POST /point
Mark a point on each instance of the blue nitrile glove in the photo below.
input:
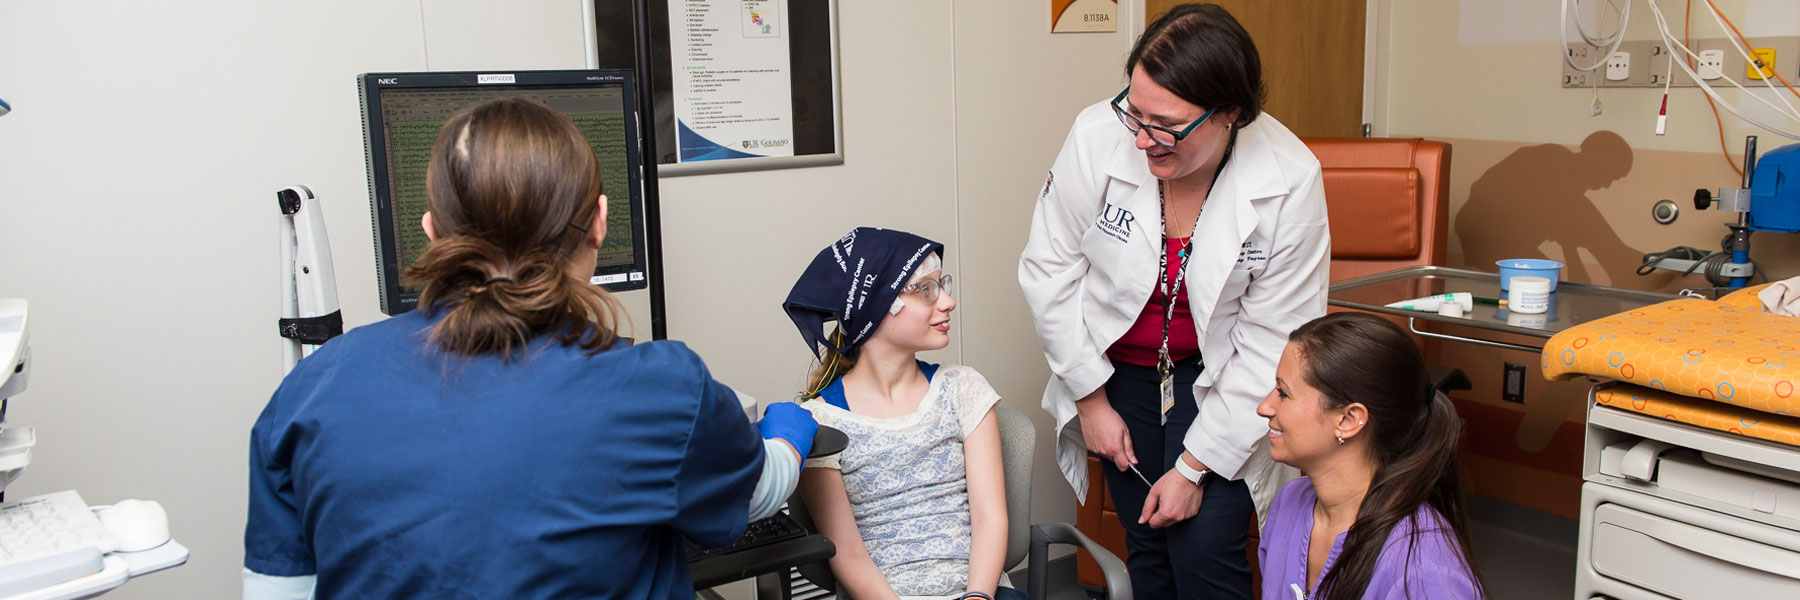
(788, 422)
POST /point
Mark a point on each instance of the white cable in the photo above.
(1749, 59)
(1618, 36)
(1595, 39)
(1669, 39)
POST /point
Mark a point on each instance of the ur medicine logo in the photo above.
(1116, 222)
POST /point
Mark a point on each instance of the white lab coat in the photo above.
(1262, 252)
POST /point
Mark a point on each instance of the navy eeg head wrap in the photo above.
(854, 281)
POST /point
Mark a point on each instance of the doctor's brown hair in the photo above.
(1201, 54)
(513, 188)
(1358, 357)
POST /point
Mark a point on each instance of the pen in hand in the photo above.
(1140, 475)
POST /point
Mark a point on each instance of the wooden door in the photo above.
(1312, 59)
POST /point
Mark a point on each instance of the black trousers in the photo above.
(1202, 557)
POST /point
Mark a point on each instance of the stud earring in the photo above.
(1340, 440)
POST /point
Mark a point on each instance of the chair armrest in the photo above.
(1118, 584)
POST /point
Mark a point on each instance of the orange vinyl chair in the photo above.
(1388, 200)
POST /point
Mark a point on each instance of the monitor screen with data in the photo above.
(402, 113)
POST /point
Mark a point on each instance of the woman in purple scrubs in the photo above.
(1380, 513)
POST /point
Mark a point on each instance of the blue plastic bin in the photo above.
(1528, 267)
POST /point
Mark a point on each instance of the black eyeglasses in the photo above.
(1163, 136)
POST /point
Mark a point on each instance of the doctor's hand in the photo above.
(1172, 500)
(1104, 431)
(788, 422)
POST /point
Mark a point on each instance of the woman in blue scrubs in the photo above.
(502, 441)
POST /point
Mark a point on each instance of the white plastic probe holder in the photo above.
(15, 453)
(15, 347)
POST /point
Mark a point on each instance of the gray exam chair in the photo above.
(1017, 440)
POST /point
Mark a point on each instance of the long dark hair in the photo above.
(1201, 54)
(513, 187)
(1358, 357)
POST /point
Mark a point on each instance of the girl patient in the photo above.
(917, 503)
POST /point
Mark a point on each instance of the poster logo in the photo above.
(748, 144)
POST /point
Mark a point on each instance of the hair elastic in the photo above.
(494, 280)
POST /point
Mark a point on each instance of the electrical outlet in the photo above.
(1513, 388)
(1618, 66)
(1711, 65)
(1766, 56)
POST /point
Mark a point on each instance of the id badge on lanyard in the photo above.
(1165, 370)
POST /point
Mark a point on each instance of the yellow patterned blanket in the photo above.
(1727, 351)
(1711, 415)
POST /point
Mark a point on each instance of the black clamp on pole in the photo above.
(313, 330)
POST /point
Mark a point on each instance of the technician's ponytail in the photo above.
(513, 186)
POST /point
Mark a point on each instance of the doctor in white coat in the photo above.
(1180, 187)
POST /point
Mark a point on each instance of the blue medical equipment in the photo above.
(1769, 201)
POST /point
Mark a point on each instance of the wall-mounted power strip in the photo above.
(1644, 63)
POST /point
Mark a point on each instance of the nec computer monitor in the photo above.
(402, 113)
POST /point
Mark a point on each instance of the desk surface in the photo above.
(1571, 304)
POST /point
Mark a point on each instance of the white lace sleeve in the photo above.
(821, 411)
(973, 399)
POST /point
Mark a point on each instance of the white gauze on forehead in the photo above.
(931, 263)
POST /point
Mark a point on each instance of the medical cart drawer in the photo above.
(1688, 562)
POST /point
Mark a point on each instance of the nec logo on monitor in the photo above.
(388, 81)
(501, 78)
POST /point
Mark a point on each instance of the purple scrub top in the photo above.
(1433, 570)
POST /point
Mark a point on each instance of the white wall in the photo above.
(138, 168)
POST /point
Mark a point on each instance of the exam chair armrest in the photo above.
(1118, 584)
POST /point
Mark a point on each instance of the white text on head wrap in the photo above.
(850, 294)
(906, 269)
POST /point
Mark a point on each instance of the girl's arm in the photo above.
(823, 489)
(987, 504)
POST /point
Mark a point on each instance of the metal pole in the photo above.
(1740, 234)
(646, 102)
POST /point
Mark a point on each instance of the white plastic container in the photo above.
(1528, 295)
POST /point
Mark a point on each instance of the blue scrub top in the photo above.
(393, 470)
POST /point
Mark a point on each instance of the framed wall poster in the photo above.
(736, 84)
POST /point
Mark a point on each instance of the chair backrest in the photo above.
(1388, 200)
(1018, 439)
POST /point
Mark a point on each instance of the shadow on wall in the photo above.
(1538, 197)
(1535, 203)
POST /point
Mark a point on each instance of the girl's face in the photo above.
(920, 325)
(1301, 430)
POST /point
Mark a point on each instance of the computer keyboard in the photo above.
(49, 539)
(777, 528)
